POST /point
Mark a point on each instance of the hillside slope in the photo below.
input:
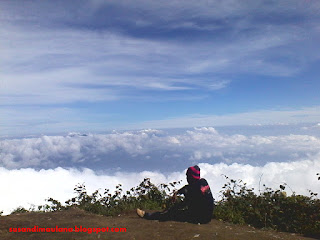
(136, 228)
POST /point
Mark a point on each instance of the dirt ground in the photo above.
(136, 228)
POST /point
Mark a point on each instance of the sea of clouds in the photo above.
(36, 168)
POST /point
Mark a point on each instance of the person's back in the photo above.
(199, 200)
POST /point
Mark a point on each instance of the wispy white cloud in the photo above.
(48, 65)
(59, 120)
(283, 116)
(181, 51)
(60, 70)
(175, 10)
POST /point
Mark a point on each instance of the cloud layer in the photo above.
(25, 187)
(37, 168)
(156, 149)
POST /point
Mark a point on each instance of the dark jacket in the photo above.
(199, 200)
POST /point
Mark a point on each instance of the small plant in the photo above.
(19, 210)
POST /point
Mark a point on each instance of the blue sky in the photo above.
(100, 65)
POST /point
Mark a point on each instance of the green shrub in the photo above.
(146, 195)
(270, 209)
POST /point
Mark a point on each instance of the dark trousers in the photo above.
(176, 214)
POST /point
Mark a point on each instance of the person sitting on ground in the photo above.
(197, 206)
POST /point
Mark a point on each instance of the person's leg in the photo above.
(172, 214)
(161, 216)
(166, 215)
(181, 215)
(175, 213)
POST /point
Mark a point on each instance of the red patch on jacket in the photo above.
(205, 189)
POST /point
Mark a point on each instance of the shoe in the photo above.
(140, 213)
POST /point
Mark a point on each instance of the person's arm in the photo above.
(183, 190)
(180, 191)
